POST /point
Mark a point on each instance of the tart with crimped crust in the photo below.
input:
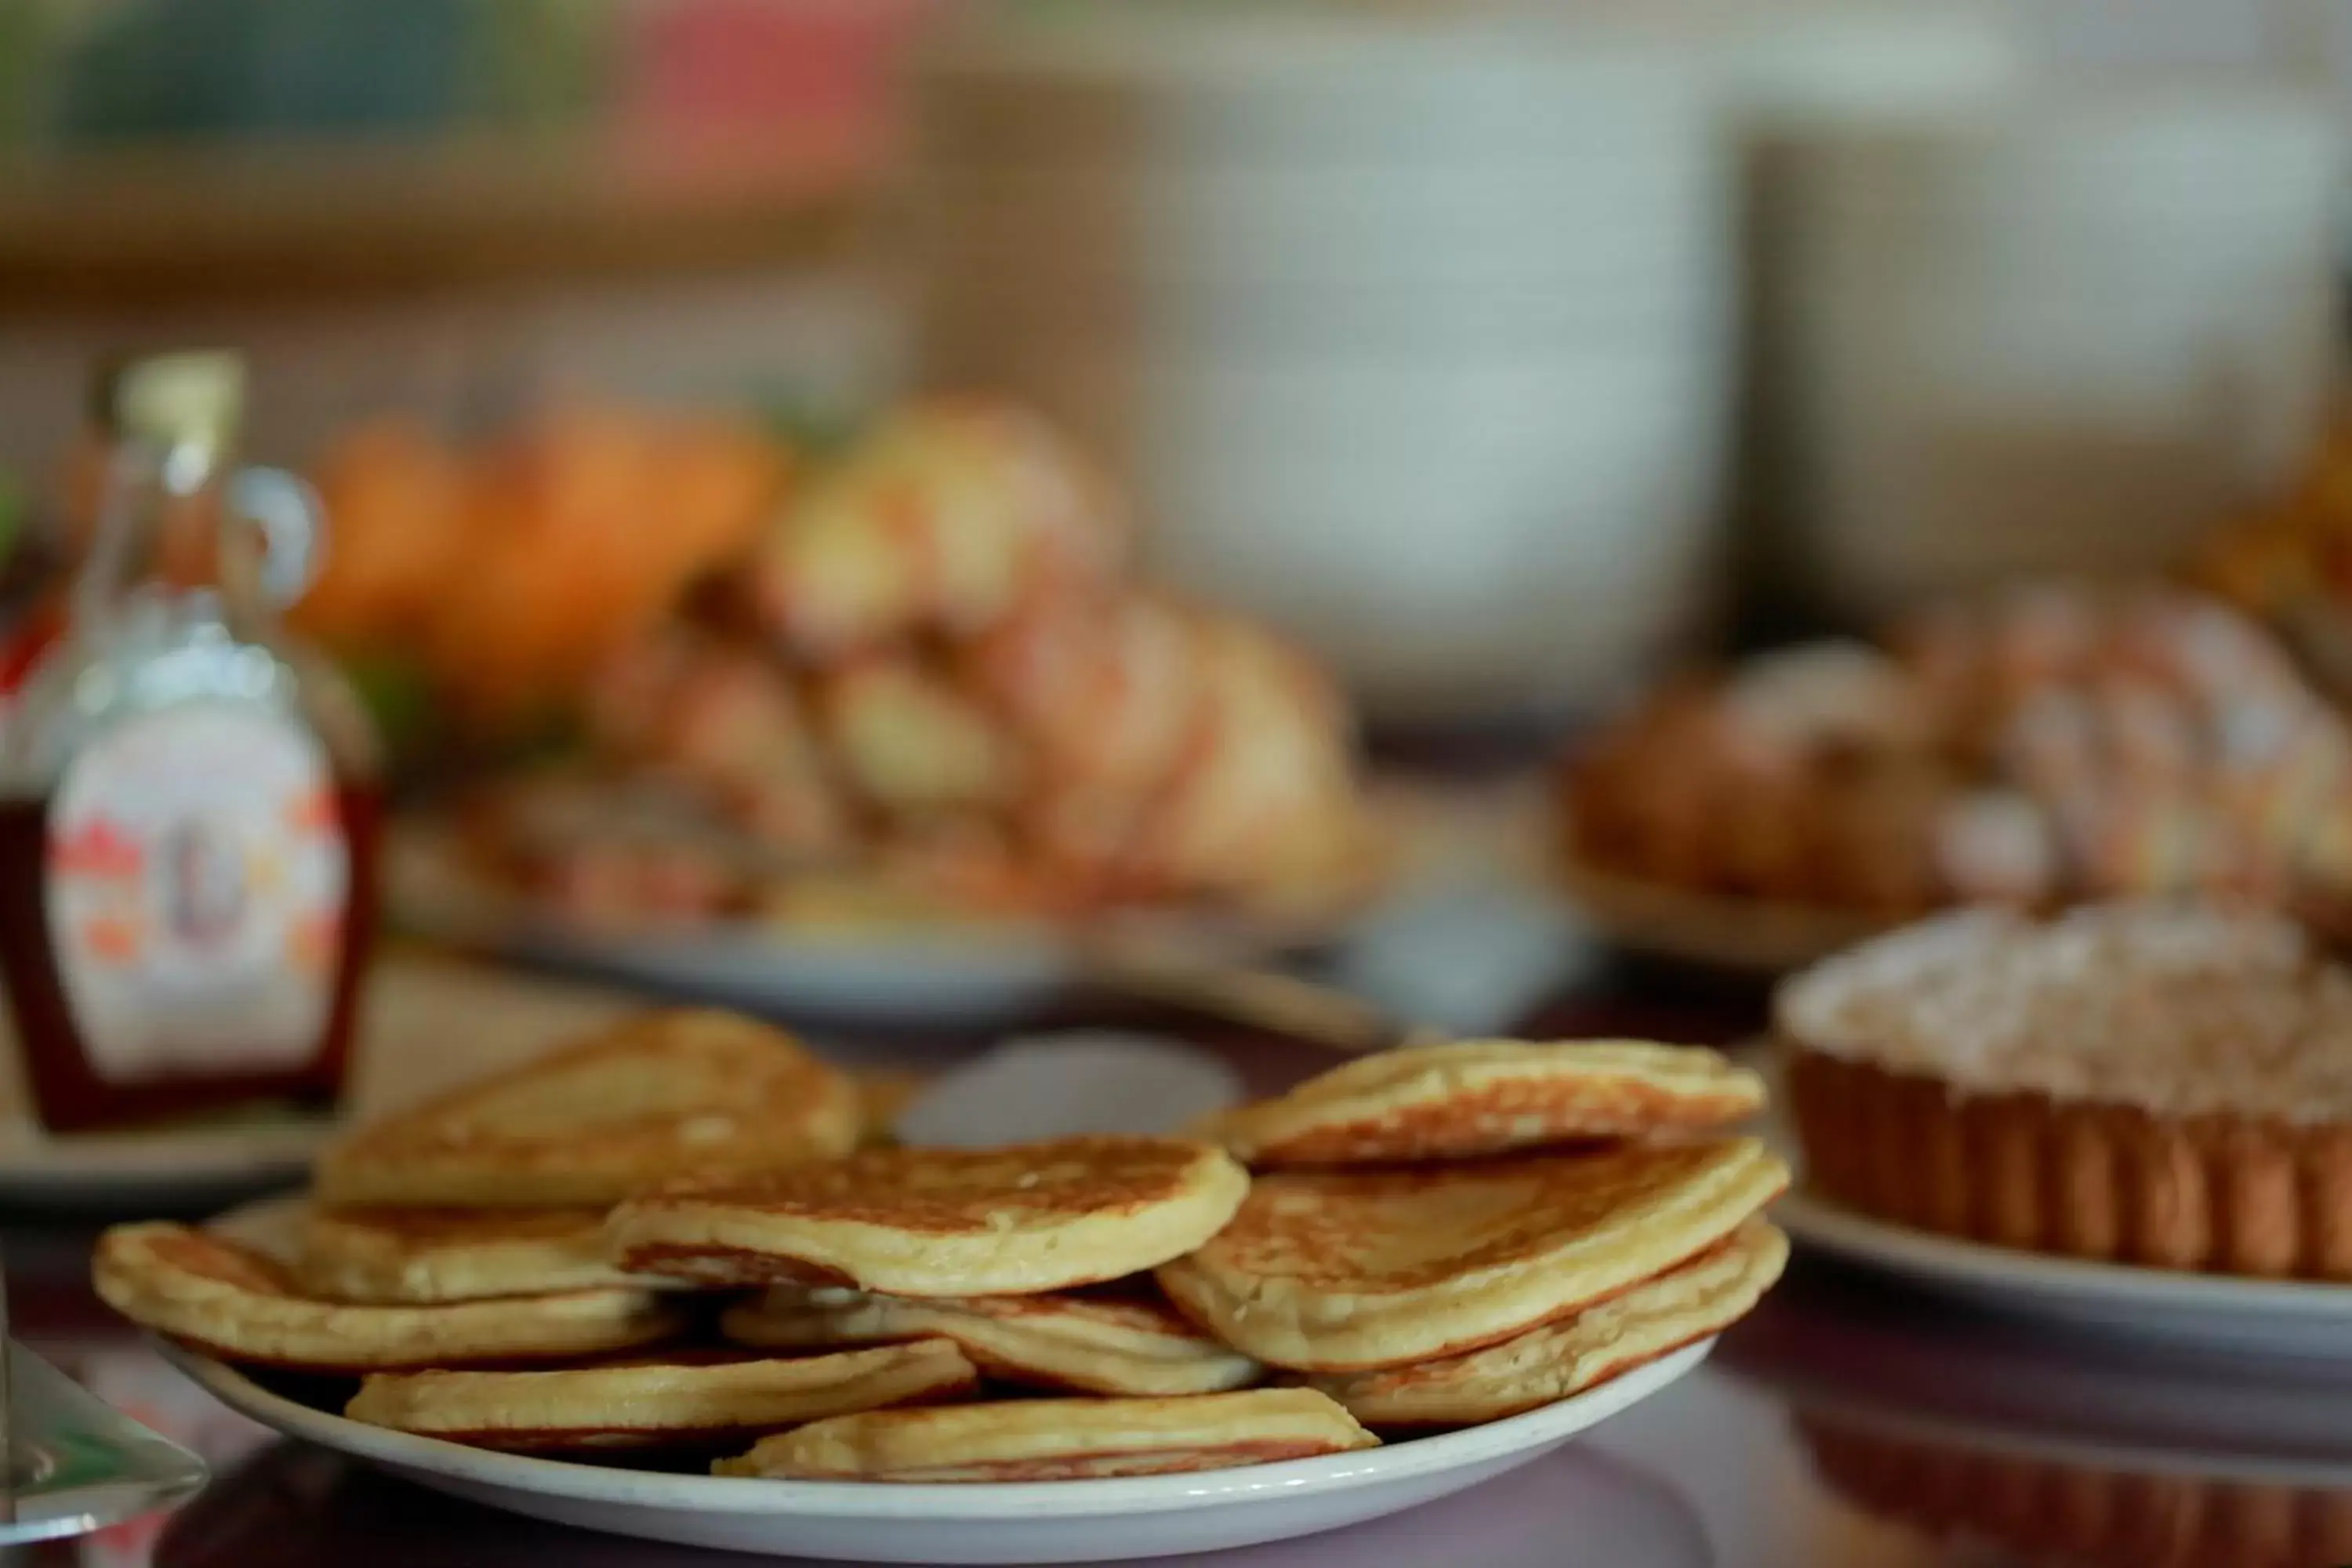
(2160, 1085)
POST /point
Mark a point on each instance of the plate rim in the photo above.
(1759, 937)
(935, 1502)
(1816, 1221)
(433, 889)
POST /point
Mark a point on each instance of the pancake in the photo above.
(237, 1303)
(1018, 1220)
(1702, 1297)
(694, 1400)
(1471, 1098)
(1342, 1270)
(1092, 1344)
(384, 1254)
(662, 1094)
(1059, 1439)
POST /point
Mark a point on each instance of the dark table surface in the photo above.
(1847, 1423)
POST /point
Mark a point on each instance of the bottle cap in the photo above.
(192, 398)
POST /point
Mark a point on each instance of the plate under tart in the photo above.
(2299, 1317)
(1031, 1522)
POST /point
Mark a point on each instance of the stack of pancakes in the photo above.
(667, 1238)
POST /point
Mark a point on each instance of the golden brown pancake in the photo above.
(941, 1222)
(386, 1255)
(1132, 1346)
(1342, 1270)
(1059, 1439)
(692, 1400)
(1468, 1097)
(1690, 1302)
(236, 1303)
(664, 1094)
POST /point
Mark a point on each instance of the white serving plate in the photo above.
(967, 974)
(1034, 1522)
(2294, 1317)
(985, 978)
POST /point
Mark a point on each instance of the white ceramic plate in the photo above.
(2297, 1317)
(970, 974)
(1043, 1521)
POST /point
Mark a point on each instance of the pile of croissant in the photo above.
(934, 681)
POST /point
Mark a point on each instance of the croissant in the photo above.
(729, 725)
(947, 517)
(1178, 749)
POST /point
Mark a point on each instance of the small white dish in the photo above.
(1036, 1522)
(2294, 1317)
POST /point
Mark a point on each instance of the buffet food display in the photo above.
(927, 681)
(2049, 745)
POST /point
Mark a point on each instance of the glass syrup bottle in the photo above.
(189, 812)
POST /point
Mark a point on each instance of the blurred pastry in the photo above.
(1178, 752)
(1342, 1270)
(690, 1399)
(947, 517)
(508, 573)
(911, 745)
(1018, 1220)
(2289, 561)
(2045, 746)
(660, 1095)
(1462, 1099)
(2138, 1083)
(934, 675)
(1563, 1359)
(233, 1301)
(597, 851)
(1128, 1344)
(1060, 1439)
(720, 722)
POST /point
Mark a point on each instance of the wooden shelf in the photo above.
(168, 227)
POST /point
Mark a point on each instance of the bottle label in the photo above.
(197, 874)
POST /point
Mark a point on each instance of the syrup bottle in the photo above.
(188, 806)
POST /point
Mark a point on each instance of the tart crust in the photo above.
(2216, 1193)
